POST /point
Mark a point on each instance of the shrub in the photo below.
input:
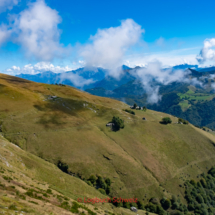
(108, 190)
(12, 207)
(118, 123)
(126, 205)
(108, 181)
(102, 191)
(92, 179)
(45, 195)
(89, 183)
(180, 120)
(203, 182)
(175, 205)
(63, 166)
(140, 205)
(166, 204)
(49, 191)
(199, 199)
(116, 203)
(166, 120)
(129, 111)
(101, 183)
(151, 207)
(144, 108)
(74, 208)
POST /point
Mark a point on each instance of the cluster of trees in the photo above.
(180, 120)
(200, 195)
(118, 123)
(103, 185)
(62, 85)
(166, 120)
(164, 206)
(135, 107)
(129, 111)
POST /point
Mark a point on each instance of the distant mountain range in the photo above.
(95, 74)
(190, 101)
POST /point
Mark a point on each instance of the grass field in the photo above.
(144, 159)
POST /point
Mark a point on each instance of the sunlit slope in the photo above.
(145, 157)
(23, 174)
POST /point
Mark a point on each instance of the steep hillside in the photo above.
(142, 160)
(30, 185)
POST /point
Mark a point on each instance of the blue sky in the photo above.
(171, 32)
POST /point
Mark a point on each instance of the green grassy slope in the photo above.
(21, 172)
(144, 159)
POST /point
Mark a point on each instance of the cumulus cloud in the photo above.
(37, 68)
(153, 75)
(76, 79)
(37, 31)
(207, 53)
(8, 4)
(108, 46)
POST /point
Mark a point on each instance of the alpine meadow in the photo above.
(107, 107)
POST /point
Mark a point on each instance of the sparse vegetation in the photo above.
(129, 111)
(183, 121)
(166, 120)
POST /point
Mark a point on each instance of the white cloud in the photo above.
(108, 46)
(172, 58)
(76, 79)
(7, 4)
(153, 75)
(37, 31)
(4, 34)
(160, 42)
(37, 68)
(207, 53)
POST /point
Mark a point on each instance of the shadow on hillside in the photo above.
(55, 109)
(51, 120)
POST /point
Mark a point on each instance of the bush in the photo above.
(199, 199)
(108, 190)
(108, 181)
(12, 207)
(100, 183)
(166, 204)
(180, 120)
(102, 191)
(140, 205)
(49, 191)
(89, 183)
(126, 205)
(63, 166)
(129, 111)
(151, 207)
(144, 108)
(118, 123)
(92, 179)
(166, 120)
